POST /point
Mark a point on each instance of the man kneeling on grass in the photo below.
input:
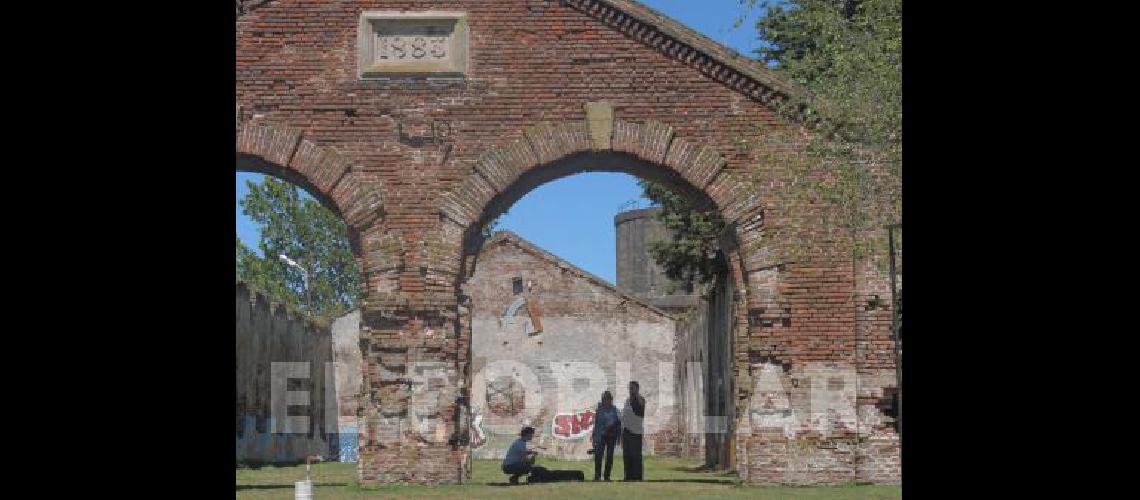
(520, 460)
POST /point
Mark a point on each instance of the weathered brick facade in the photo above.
(682, 109)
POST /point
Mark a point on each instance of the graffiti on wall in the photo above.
(573, 425)
(349, 445)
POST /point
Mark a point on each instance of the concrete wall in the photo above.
(637, 273)
(592, 337)
(685, 438)
(703, 339)
(718, 376)
(268, 333)
(703, 379)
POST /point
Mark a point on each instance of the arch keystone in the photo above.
(600, 120)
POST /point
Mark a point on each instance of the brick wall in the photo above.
(683, 113)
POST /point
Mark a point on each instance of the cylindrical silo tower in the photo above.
(637, 273)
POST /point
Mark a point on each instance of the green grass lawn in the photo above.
(664, 478)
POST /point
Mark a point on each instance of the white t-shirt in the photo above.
(630, 420)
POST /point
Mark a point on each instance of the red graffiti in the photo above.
(569, 425)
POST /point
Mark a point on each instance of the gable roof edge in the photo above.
(531, 248)
(710, 48)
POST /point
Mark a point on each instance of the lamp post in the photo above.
(305, 277)
(304, 489)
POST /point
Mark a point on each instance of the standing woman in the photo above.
(607, 425)
(632, 416)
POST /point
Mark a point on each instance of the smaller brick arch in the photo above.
(320, 170)
(649, 149)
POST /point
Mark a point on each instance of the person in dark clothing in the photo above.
(632, 418)
(520, 460)
(607, 426)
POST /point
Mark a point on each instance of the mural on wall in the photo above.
(478, 435)
(514, 307)
(573, 426)
(532, 323)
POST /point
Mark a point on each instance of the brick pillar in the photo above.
(411, 382)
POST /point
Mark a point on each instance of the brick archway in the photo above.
(547, 151)
(650, 149)
(701, 166)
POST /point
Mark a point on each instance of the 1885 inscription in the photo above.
(411, 43)
(404, 47)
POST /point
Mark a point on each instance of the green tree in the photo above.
(847, 54)
(315, 238)
(689, 257)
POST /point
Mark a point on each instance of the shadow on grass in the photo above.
(241, 487)
(524, 483)
(271, 465)
(697, 468)
(704, 481)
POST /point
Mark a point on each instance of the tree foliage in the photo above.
(689, 257)
(847, 54)
(312, 236)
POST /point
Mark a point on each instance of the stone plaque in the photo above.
(410, 44)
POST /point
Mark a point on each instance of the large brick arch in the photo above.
(648, 149)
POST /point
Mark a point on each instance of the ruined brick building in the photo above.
(536, 318)
(572, 334)
(417, 121)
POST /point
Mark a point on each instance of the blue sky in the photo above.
(573, 217)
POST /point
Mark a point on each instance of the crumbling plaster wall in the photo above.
(592, 337)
